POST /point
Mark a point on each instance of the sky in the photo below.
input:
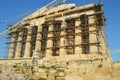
(13, 10)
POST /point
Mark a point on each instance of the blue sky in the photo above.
(10, 9)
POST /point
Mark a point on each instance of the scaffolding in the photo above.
(54, 3)
(85, 32)
(8, 31)
(69, 30)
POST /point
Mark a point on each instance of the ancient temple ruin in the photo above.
(60, 42)
(64, 32)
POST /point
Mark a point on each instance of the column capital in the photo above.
(51, 27)
(13, 33)
(32, 24)
(77, 19)
(63, 25)
(77, 22)
(40, 28)
(50, 22)
(91, 19)
(29, 27)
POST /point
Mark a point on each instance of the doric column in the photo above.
(103, 46)
(28, 43)
(12, 46)
(92, 36)
(19, 45)
(38, 39)
(49, 41)
(63, 41)
(78, 41)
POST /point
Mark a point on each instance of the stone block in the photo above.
(73, 78)
(60, 78)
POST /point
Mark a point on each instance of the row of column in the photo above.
(16, 52)
(93, 42)
(62, 51)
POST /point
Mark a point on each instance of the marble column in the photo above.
(38, 40)
(12, 46)
(78, 38)
(63, 41)
(28, 43)
(92, 36)
(49, 41)
(19, 45)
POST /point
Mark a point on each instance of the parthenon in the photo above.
(60, 41)
(63, 32)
